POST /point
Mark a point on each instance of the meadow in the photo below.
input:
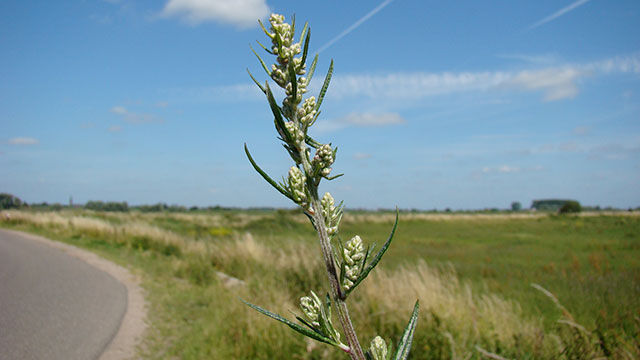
(473, 274)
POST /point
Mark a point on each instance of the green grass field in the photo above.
(473, 275)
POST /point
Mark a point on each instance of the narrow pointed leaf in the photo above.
(334, 177)
(325, 86)
(265, 48)
(304, 30)
(265, 30)
(311, 142)
(312, 68)
(277, 116)
(305, 322)
(256, 82)
(264, 66)
(264, 175)
(407, 337)
(305, 48)
(302, 330)
(293, 79)
(376, 259)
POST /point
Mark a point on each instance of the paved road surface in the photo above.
(54, 306)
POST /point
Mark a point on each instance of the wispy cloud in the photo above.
(362, 156)
(555, 83)
(114, 128)
(355, 25)
(240, 13)
(543, 59)
(23, 141)
(558, 13)
(508, 169)
(135, 118)
(360, 120)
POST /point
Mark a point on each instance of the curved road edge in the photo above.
(133, 325)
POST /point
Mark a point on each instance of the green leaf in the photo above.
(311, 142)
(306, 44)
(407, 337)
(265, 48)
(264, 175)
(376, 259)
(304, 30)
(325, 86)
(334, 177)
(312, 68)
(302, 330)
(256, 82)
(264, 66)
(277, 116)
(293, 79)
(265, 30)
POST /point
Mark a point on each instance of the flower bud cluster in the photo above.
(323, 159)
(296, 133)
(378, 349)
(311, 308)
(331, 214)
(285, 49)
(353, 255)
(307, 112)
(298, 187)
(320, 317)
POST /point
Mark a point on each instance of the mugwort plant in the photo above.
(347, 263)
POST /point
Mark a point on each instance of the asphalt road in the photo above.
(54, 306)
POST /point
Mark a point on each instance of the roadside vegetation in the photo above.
(471, 272)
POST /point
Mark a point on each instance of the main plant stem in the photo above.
(355, 352)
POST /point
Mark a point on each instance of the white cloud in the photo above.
(507, 169)
(557, 84)
(553, 82)
(558, 13)
(120, 110)
(614, 152)
(361, 156)
(135, 118)
(360, 120)
(534, 59)
(23, 141)
(241, 13)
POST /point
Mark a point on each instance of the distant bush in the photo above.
(516, 206)
(107, 206)
(570, 206)
(549, 204)
(8, 201)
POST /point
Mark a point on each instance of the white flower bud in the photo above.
(311, 309)
(297, 186)
(353, 255)
(378, 349)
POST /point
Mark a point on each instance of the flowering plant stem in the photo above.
(336, 293)
(301, 186)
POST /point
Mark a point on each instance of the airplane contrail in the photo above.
(558, 13)
(355, 25)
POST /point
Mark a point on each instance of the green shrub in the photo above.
(8, 201)
(570, 207)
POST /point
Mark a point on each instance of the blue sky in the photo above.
(459, 104)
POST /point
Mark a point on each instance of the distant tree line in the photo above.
(8, 201)
(550, 204)
(107, 206)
